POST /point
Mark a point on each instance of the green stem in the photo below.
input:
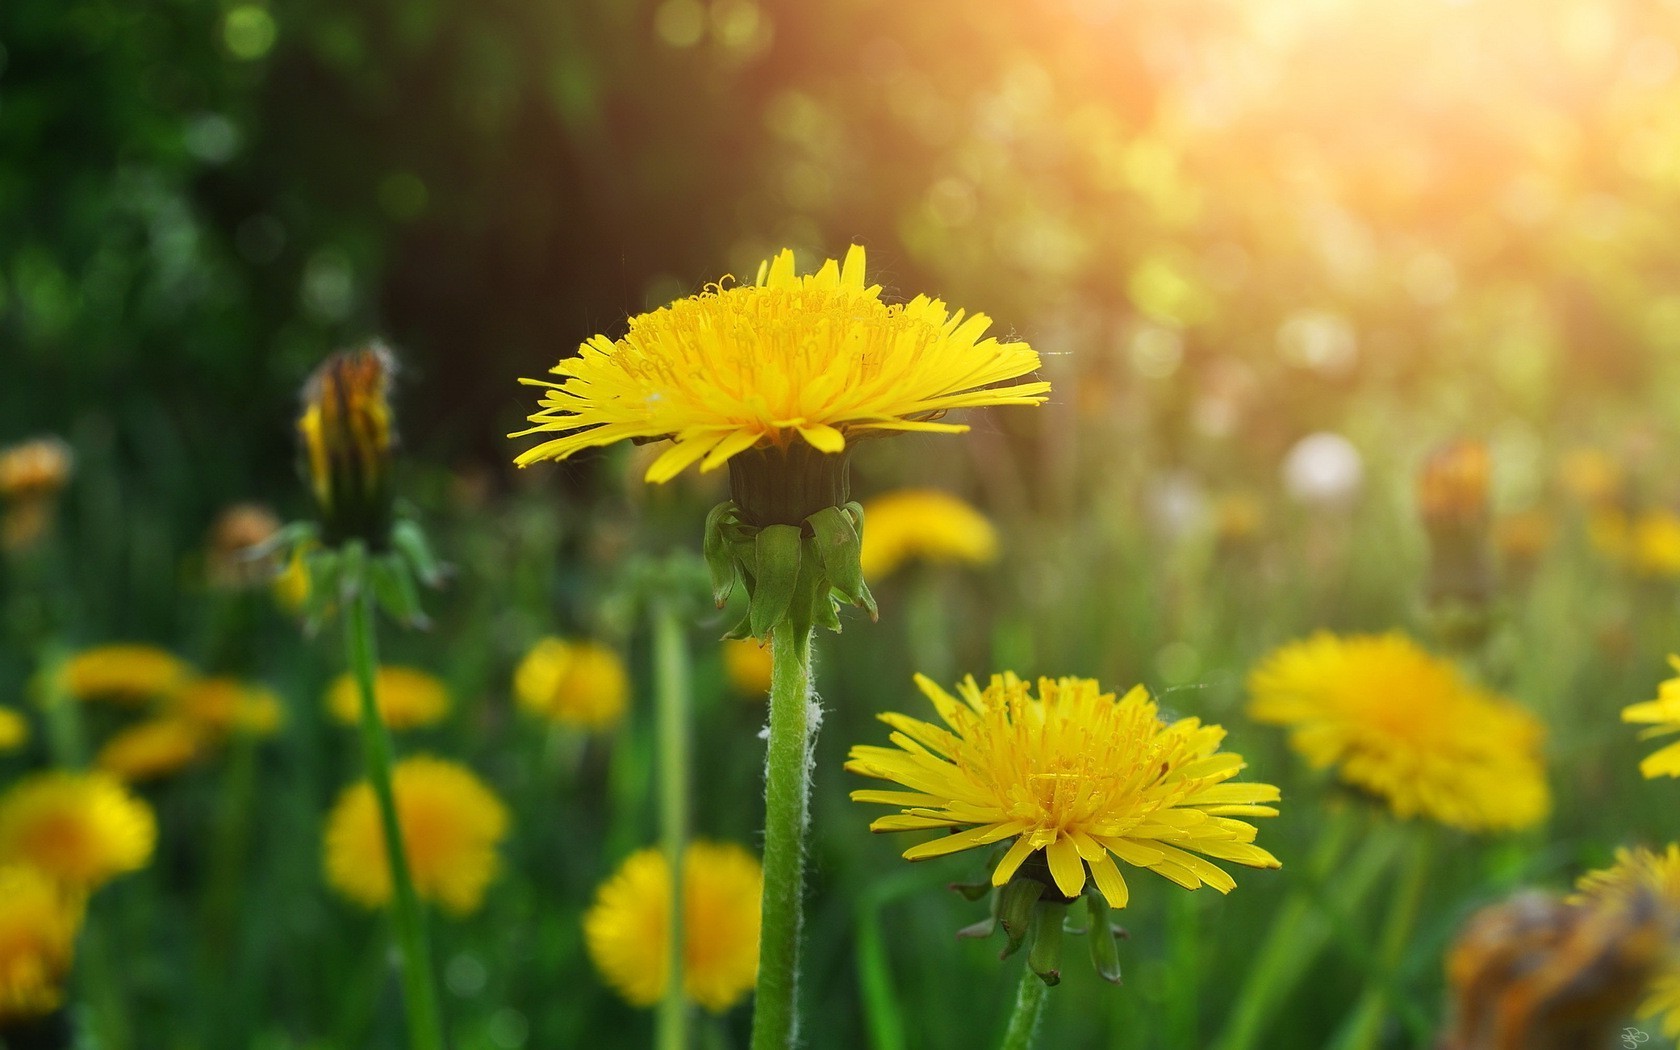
(671, 680)
(1293, 941)
(425, 1027)
(1364, 1026)
(786, 797)
(1029, 1005)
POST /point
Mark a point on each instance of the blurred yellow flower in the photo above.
(14, 730)
(126, 674)
(407, 698)
(83, 829)
(581, 684)
(228, 705)
(34, 468)
(1071, 772)
(1590, 475)
(157, 747)
(816, 358)
(451, 825)
(39, 921)
(628, 928)
(1523, 537)
(747, 662)
(1407, 727)
(1656, 543)
(1663, 716)
(1638, 870)
(923, 523)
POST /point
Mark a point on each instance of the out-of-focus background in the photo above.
(1272, 253)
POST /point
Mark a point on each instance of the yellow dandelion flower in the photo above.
(83, 829)
(819, 358)
(407, 698)
(34, 469)
(1408, 728)
(582, 684)
(747, 662)
(628, 929)
(451, 824)
(927, 524)
(126, 674)
(1639, 870)
(38, 925)
(227, 705)
(1663, 716)
(1655, 544)
(149, 750)
(1071, 772)
(14, 730)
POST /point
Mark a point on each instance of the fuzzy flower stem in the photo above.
(786, 797)
(425, 1027)
(670, 662)
(1029, 1006)
(1363, 1028)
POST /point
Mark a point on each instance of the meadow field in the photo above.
(457, 458)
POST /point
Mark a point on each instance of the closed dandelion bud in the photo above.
(1452, 496)
(32, 473)
(347, 436)
(1044, 955)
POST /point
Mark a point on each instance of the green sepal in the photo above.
(394, 589)
(720, 552)
(970, 891)
(979, 930)
(323, 569)
(410, 541)
(776, 572)
(1044, 954)
(1105, 950)
(1015, 911)
(840, 546)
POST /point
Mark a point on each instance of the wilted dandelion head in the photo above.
(224, 706)
(124, 674)
(34, 469)
(150, 750)
(83, 829)
(576, 683)
(347, 435)
(39, 920)
(1407, 727)
(407, 698)
(1073, 773)
(628, 929)
(790, 359)
(451, 825)
(1540, 973)
(747, 662)
(925, 524)
(1643, 871)
(14, 730)
(238, 532)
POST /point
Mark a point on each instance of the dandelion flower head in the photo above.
(1663, 717)
(38, 924)
(35, 468)
(576, 683)
(451, 825)
(927, 524)
(83, 829)
(124, 673)
(150, 750)
(1075, 773)
(815, 359)
(407, 698)
(1638, 870)
(1407, 727)
(628, 928)
(14, 730)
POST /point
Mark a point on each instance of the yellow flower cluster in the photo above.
(1072, 773)
(581, 684)
(451, 825)
(1407, 727)
(628, 929)
(924, 524)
